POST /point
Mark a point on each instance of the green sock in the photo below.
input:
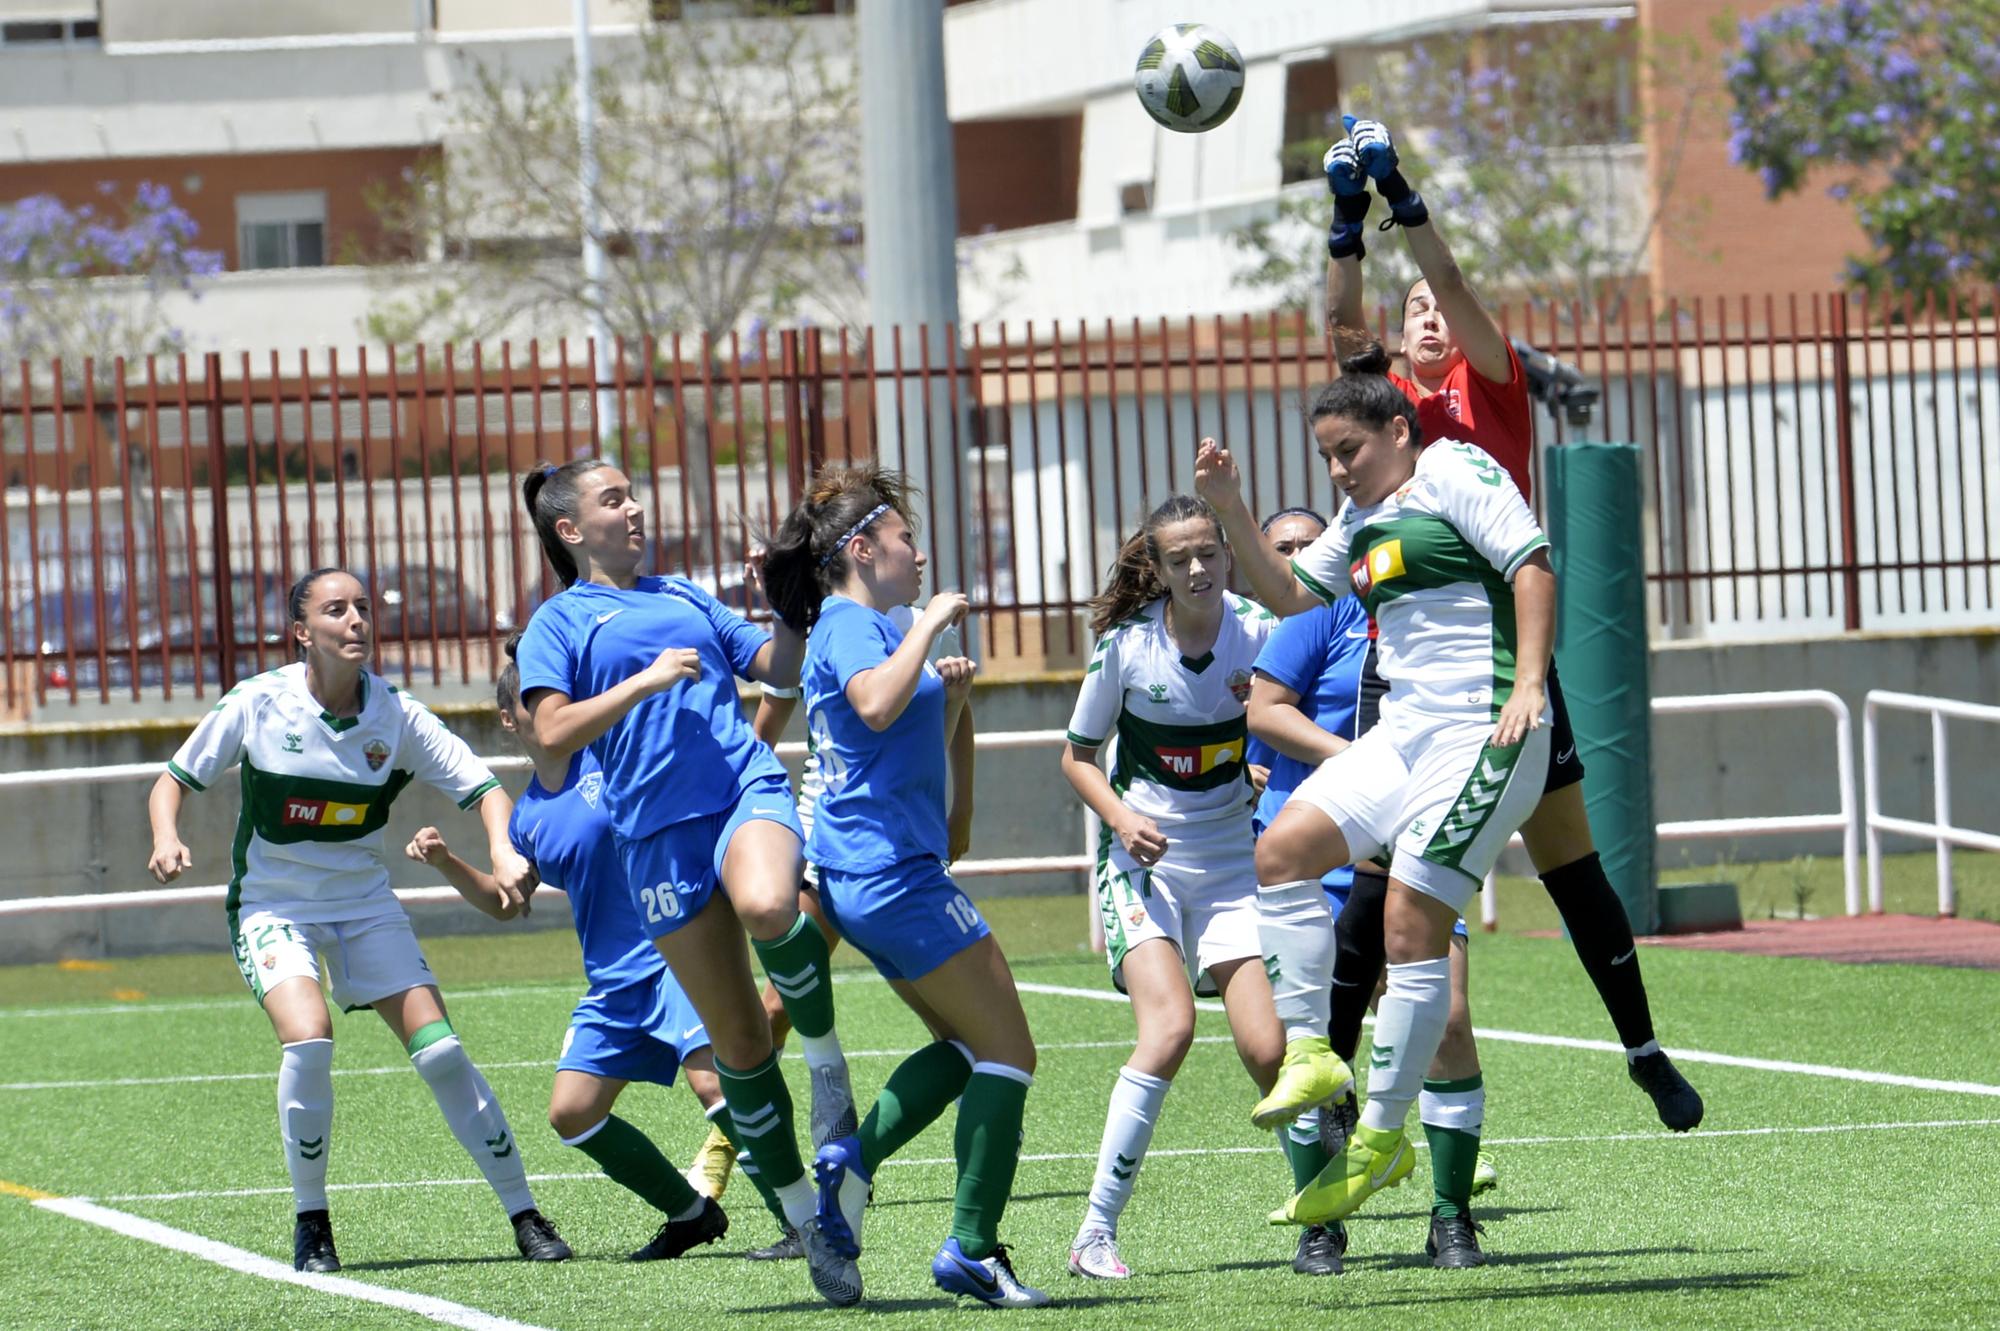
(920, 1089)
(988, 1148)
(1306, 1157)
(799, 967)
(745, 1166)
(1454, 1150)
(628, 1158)
(760, 1108)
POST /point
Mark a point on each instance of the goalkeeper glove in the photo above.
(1377, 154)
(1350, 201)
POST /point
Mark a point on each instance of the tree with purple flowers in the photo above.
(91, 281)
(1900, 104)
(1529, 140)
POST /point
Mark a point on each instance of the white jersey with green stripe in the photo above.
(1178, 722)
(1434, 563)
(316, 789)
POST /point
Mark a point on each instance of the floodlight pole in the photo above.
(593, 239)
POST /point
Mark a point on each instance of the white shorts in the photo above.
(366, 959)
(1201, 897)
(1435, 790)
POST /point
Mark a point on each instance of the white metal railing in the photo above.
(1845, 822)
(218, 892)
(1940, 829)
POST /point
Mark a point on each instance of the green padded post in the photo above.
(1596, 523)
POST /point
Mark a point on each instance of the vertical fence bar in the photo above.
(1119, 503)
(681, 439)
(1828, 504)
(988, 568)
(66, 601)
(618, 388)
(161, 585)
(334, 394)
(1039, 507)
(1895, 459)
(218, 486)
(1979, 415)
(515, 544)
(812, 400)
(1090, 447)
(1937, 457)
(1843, 424)
(1167, 404)
(35, 625)
(187, 502)
(568, 407)
(713, 479)
(847, 402)
(1660, 500)
(1799, 432)
(284, 490)
(258, 569)
(1701, 413)
(1013, 483)
(368, 525)
(402, 518)
(791, 372)
(121, 442)
(486, 531)
(1868, 409)
(312, 452)
(1062, 473)
(770, 432)
(462, 628)
(100, 610)
(1963, 473)
(1244, 362)
(421, 412)
(742, 456)
(1139, 409)
(656, 459)
(7, 536)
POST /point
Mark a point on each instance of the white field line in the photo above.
(1658, 1136)
(245, 1003)
(1607, 1046)
(442, 1311)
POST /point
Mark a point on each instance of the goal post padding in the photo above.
(1596, 522)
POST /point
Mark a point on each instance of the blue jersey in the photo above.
(1317, 655)
(884, 791)
(566, 835)
(681, 754)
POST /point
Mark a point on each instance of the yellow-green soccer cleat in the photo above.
(709, 1174)
(1311, 1075)
(1485, 1175)
(1375, 1159)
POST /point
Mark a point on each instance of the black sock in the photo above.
(1602, 935)
(1357, 959)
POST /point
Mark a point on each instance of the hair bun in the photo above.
(1360, 353)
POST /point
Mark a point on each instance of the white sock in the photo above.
(798, 1200)
(1409, 1026)
(305, 1118)
(475, 1118)
(1461, 1111)
(822, 1050)
(1136, 1098)
(1295, 930)
(1635, 1054)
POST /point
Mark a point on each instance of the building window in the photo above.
(281, 230)
(51, 31)
(1312, 105)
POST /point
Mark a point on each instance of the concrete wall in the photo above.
(94, 839)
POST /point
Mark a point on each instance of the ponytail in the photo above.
(1364, 392)
(550, 492)
(1134, 579)
(806, 558)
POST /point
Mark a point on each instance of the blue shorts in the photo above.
(674, 871)
(641, 1032)
(1339, 882)
(908, 919)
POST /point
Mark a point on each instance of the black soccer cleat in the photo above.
(790, 1248)
(537, 1238)
(677, 1236)
(1320, 1250)
(1679, 1104)
(1454, 1242)
(1337, 1122)
(312, 1243)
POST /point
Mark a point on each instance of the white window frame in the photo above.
(290, 209)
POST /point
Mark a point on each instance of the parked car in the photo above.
(421, 601)
(61, 622)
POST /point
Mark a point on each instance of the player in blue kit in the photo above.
(636, 1023)
(879, 712)
(642, 670)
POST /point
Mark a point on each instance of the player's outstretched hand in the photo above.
(1260, 776)
(1142, 839)
(428, 847)
(1216, 478)
(515, 878)
(957, 673)
(1373, 146)
(1344, 174)
(1521, 714)
(169, 859)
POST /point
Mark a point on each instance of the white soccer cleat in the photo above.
(1094, 1256)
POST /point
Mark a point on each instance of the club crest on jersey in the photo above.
(590, 788)
(270, 961)
(1199, 761)
(1239, 685)
(322, 813)
(1136, 915)
(1380, 564)
(377, 753)
(1158, 692)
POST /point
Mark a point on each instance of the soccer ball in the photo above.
(1190, 77)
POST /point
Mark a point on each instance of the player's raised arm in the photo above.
(1217, 480)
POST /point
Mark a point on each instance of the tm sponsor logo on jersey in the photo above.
(1380, 564)
(322, 813)
(1199, 760)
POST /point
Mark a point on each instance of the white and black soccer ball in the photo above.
(1190, 77)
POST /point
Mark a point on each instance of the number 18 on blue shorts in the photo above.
(908, 919)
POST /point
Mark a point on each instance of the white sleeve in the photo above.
(1480, 499)
(1322, 566)
(1102, 696)
(436, 757)
(217, 742)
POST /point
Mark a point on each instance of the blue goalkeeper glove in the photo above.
(1376, 152)
(1349, 184)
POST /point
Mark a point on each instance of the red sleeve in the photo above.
(1497, 417)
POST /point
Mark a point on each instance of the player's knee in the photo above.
(1279, 860)
(767, 911)
(571, 1119)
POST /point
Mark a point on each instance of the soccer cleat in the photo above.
(537, 1238)
(677, 1236)
(832, 1104)
(1678, 1103)
(1094, 1256)
(713, 1162)
(1320, 1250)
(991, 1280)
(1454, 1242)
(1374, 1160)
(837, 1278)
(1311, 1075)
(843, 1194)
(1336, 1123)
(1485, 1174)
(787, 1249)
(312, 1243)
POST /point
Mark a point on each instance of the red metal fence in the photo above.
(1815, 465)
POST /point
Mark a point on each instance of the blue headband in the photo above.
(852, 532)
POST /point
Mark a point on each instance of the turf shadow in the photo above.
(1475, 1291)
(945, 1199)
(942, 1303)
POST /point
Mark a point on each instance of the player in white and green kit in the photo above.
(325, 746)
(1455, 571)
(1176, 880)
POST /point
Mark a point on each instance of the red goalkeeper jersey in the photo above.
(1473, 408)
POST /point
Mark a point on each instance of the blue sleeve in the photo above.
(515, 839)
(741, 640)
(857, 642)
(546, 655)
(1295, 654)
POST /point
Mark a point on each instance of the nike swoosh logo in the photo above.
(1382, 1179)
(1566, 755)
(1620, 961)
(693, 1031)
(979, 1274)
(1357, 633)
(1343, 984)
(609, 613)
